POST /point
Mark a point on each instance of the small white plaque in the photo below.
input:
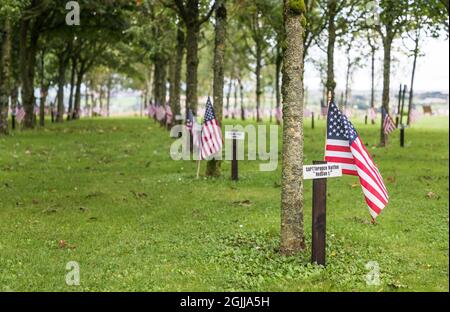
(322, 171)
(179, 117)
(235, 135)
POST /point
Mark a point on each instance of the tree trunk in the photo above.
(233, 115)
(213, 166)
(372, 86)
(28, 50)
(159, 88)
(176, 105)
(44, 94)
(292, 236)
(387, 44)
(347, 82)
(331, 84)
(61, 82)
(230, 84)
(411, 91)
(191, 67)
(5, 76)
(258, 81)
(278, 63)
(108, 96)
(77, 103)
(241, 93)
(72, 87)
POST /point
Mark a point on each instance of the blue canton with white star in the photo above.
(209, 112)
(338, 125)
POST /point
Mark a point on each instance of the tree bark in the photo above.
(176, 105)
(372, 85)
(230, 84)
(278, 63)
(241, 93)
(411, 91)
(5, 76)
(191, 67)
(387, 45)
(61, 82)
(258, 80)
(331, 84)
(108, 96)
(72, 87)
(233, 114)
(28, 49)
(292, 236)
(213, 166)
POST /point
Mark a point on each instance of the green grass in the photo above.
(135, 220)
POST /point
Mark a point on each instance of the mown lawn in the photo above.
(135, 220)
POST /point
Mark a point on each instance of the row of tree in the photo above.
(153, 42)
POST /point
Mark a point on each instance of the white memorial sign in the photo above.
(235, 135)
(322, 171)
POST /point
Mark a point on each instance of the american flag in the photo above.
(169, 115)
(20, 114)
(189, 120)
(211, 136)
(388, 123)
(345, 147)
(372, 114)
(160, 112)
(278, 114)
(151, 110)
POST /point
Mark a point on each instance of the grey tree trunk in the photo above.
(292, 236)
(230, 84)
(258, 80)
(177, 74)
(72, 87)
(77, 104)
(108, 96)
(61, 82)
(28, 50)
(241, 93)
(213, 166)
(387, 44)
(372, 85)
(191, 67)
(331, 84)
(5, 76)
(233, 115)
(279, 62)
(411, 91)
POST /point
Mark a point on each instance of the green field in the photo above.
(135, 220)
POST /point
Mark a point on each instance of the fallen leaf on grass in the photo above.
(391, 179)
(244, 203)
(62, 244)
(432, 195)
(354, 185)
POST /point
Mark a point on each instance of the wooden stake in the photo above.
(198, 168)
(234, 163)
(319, 218)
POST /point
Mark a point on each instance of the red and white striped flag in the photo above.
(344, 146)
(169, 115)
(211, 138)
(160, 112)
(20, 114)
(388, 123)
